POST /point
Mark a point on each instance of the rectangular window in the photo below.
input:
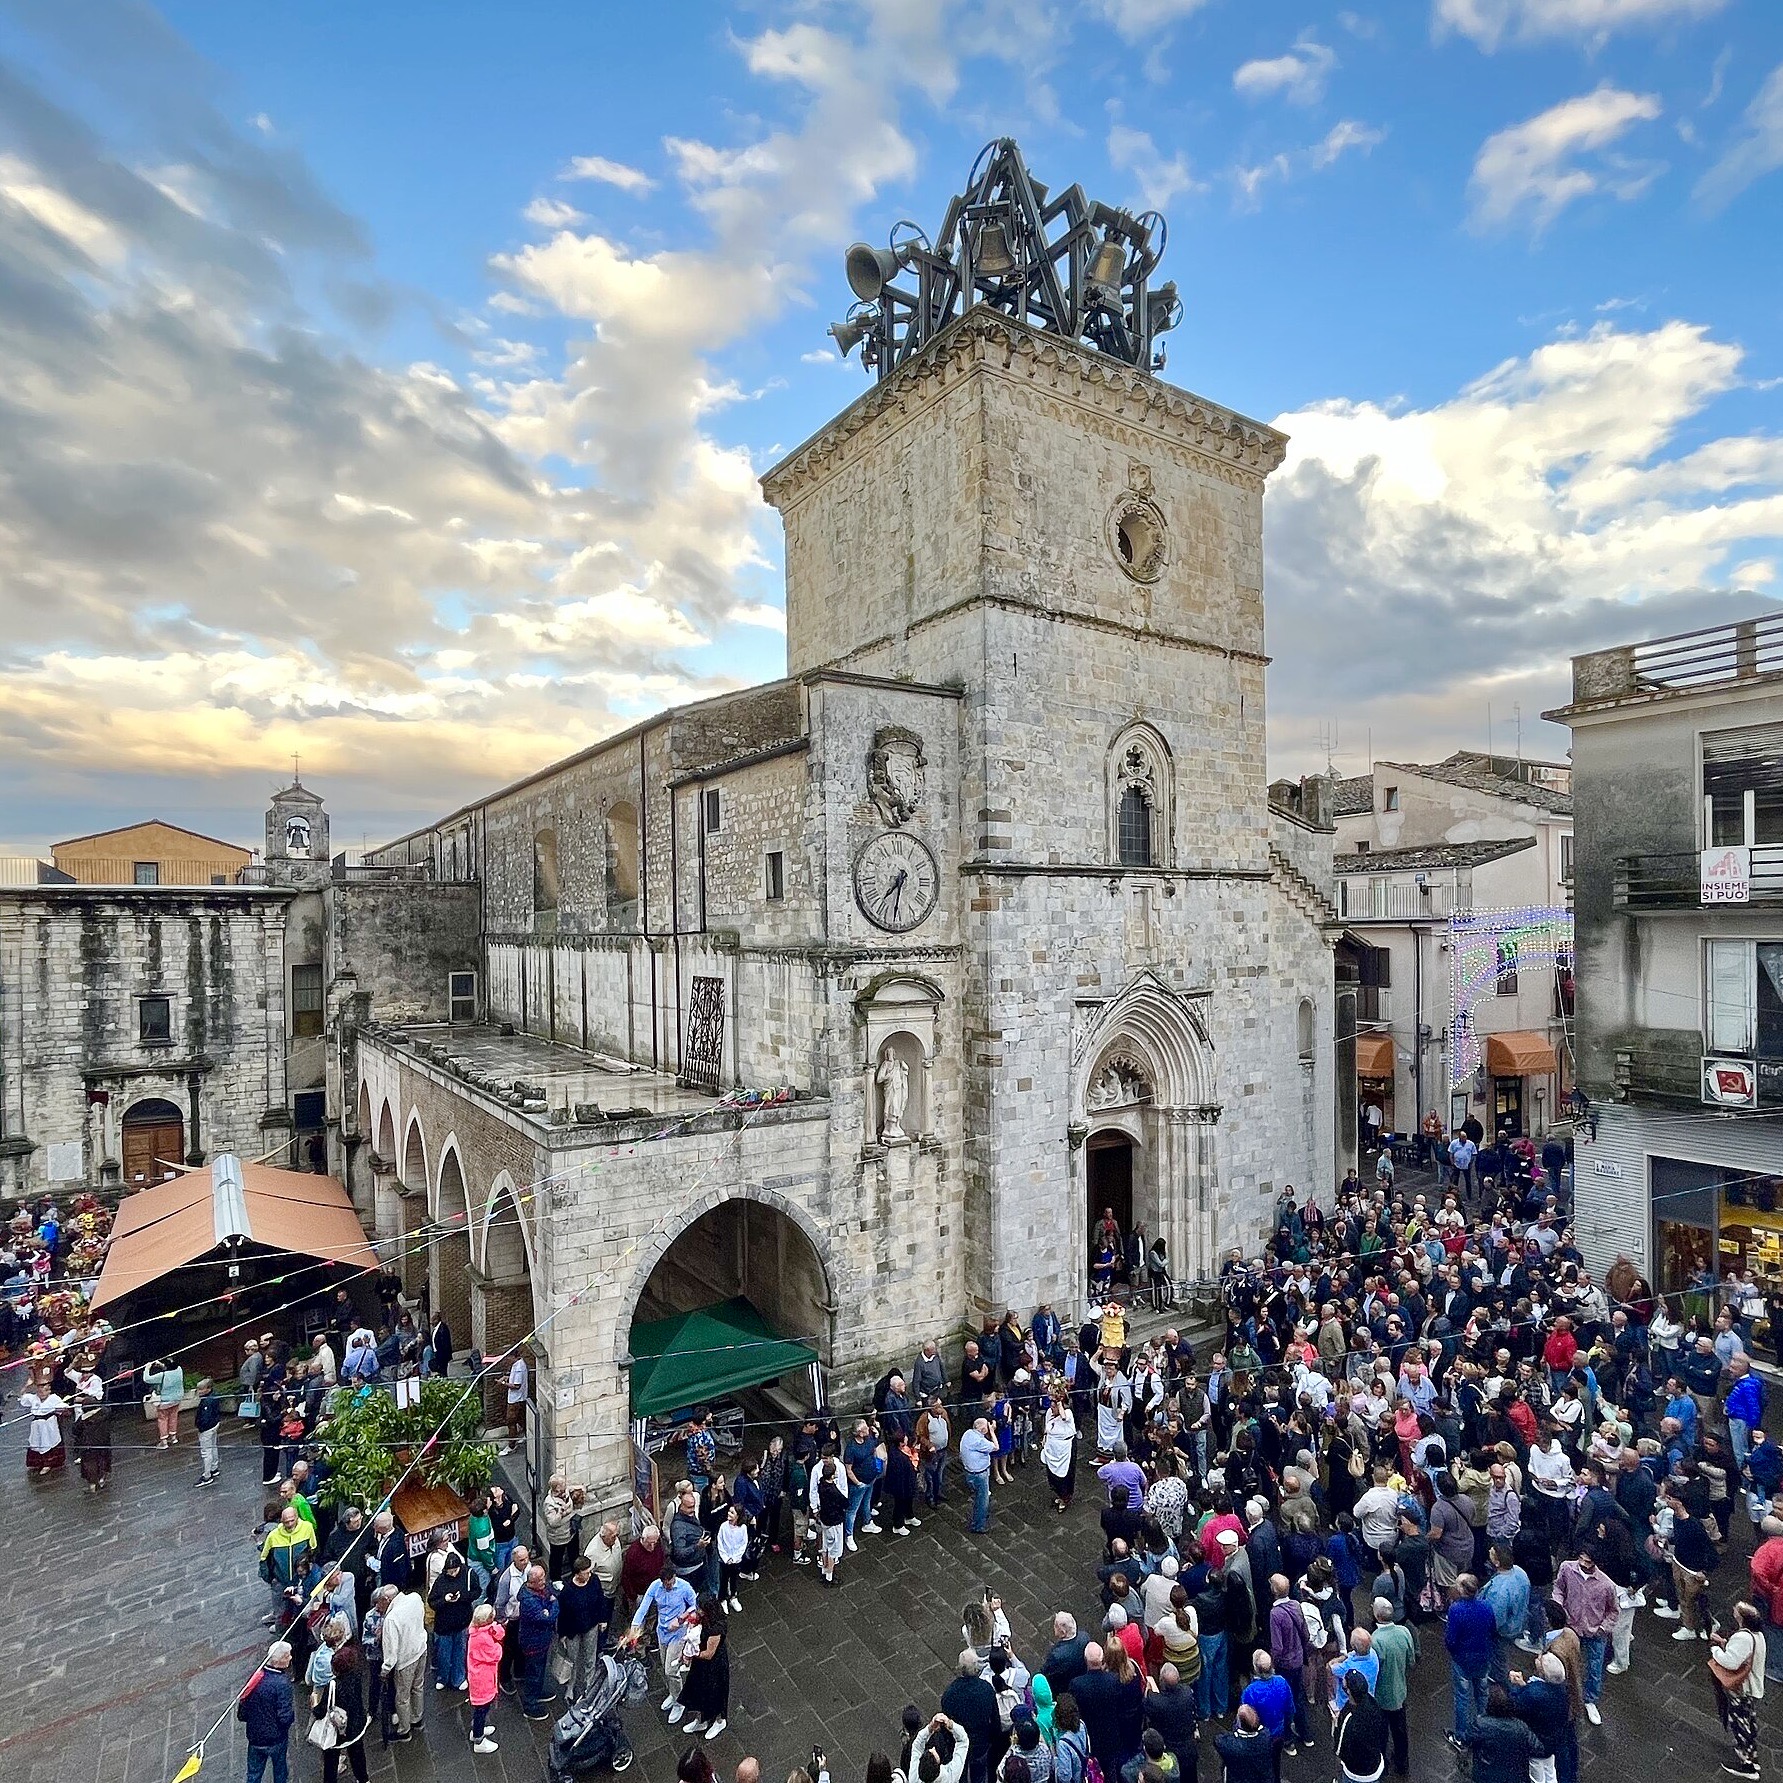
(1743, 786)
(461, 990)
(1390, 799)
(1507, 968)
(714, 810)
(776, 876)
(154, 1018)
(1743, 998)
(147, 873)
(219, 879)
(306, 1000)
(1566, 859)
(1361, 847)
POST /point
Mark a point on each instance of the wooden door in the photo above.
(151, 1149)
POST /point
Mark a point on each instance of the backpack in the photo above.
(1318, 1630)
(1071, 1758)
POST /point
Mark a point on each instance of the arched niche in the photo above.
(898, 1017)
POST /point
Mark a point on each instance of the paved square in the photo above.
(130, 1620)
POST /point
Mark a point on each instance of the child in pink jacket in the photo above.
(482, 1663)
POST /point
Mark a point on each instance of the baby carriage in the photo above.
(589, 1736)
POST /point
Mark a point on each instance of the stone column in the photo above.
(1204, 1131)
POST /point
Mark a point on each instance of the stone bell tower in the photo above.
(1078, 545)
(297, 837)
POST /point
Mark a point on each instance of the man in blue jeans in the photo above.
(861, 1460)
(267, 1712)
(978, 1449)
(1471, 1636)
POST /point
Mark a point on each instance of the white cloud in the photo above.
(552, 213)
(1348, 133)
(54, 210)
(1554, 505)
(608, 173)
(1137, 19)
(1491, 22)
(1756, 151)
(1535, 169)
(1159, 180)
(1299, 75)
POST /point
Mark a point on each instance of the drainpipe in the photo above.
(675, 911)
(644, 893)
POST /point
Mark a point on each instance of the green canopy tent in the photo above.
(711, 1351)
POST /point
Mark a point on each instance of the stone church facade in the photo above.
(991, 882)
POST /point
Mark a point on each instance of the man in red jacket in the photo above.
(1767, 1589)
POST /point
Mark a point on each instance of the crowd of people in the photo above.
(1427, 1437)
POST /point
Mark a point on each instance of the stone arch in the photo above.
(622, 866)
(505, 1237)
(386, 1143)
(661, 1242)
(1141, 778)
(414, 1172)
(449, 1246)
(1162, 1032)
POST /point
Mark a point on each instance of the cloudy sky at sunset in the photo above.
(388, 385)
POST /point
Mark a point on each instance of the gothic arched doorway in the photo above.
(1109, 1172)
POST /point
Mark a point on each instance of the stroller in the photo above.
(590, 1736)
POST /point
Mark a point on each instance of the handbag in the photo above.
(325, 1731)
(1733, 1682)
(249, 1406)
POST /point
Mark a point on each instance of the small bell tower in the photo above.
(296, 835)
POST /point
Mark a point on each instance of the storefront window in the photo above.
(1709, 1220)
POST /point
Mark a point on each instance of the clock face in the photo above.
(895, 881)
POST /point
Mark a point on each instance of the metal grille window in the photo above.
(154, 1018)
(1136, 828)
(702, 1053)
(461, 990)
(306, 1000)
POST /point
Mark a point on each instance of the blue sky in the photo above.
(391, 381)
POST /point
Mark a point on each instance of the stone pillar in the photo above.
(1204, 1224)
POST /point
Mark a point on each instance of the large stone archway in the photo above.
(1144, 1091)
(754, 1242)
(413, 1192)
(503, 1310)
(449, 1251)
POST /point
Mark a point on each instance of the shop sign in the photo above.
(1726, 875)
(1730, 1083)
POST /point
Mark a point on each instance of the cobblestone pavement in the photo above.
(131, 1619)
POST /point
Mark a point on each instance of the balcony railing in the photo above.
(1674, 882)
(1361, 898)
(1716, 655)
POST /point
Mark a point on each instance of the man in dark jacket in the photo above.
(971, 1700)
(267, 1713)
(1247, 1751)
(1542, 1703)
(1471, 1636)
(1170, 1709)
(1502, 1746)
(1064, 1664)
(690, 1547)
(440, 1362)
(538, 1629)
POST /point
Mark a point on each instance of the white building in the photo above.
(1418, 846)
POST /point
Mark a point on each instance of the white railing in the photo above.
(1364, 898)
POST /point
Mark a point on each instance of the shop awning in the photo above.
(1520, 1053)
(693, 1356)
(1374, 1055)
(224, 1209)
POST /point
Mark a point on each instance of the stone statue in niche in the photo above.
(893, 1078)
(1119, 1082)
(897, 774)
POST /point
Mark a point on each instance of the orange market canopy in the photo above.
(1520, 1053)
(1374, 1055)
(222, 1211)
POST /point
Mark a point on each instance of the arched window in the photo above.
(622, 867)
(545, 882)
(1141, 787)
(1303, 1030)
(1135, 828)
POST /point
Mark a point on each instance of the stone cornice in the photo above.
(987, 340)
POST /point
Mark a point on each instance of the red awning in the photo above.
(1520, 1053)
(1374, 1055)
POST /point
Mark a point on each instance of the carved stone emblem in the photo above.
(896, 774)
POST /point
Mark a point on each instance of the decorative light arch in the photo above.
(1479, 943)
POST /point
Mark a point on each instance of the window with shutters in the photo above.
(1743, 998)
(1743, 786)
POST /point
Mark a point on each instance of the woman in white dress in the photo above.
(45, 1452)
(1058, 1450)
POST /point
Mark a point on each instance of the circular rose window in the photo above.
(1136, 535)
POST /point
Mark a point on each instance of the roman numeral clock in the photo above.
(896, 881)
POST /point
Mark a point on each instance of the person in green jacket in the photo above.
(168, 1384)
(1396, 1647)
